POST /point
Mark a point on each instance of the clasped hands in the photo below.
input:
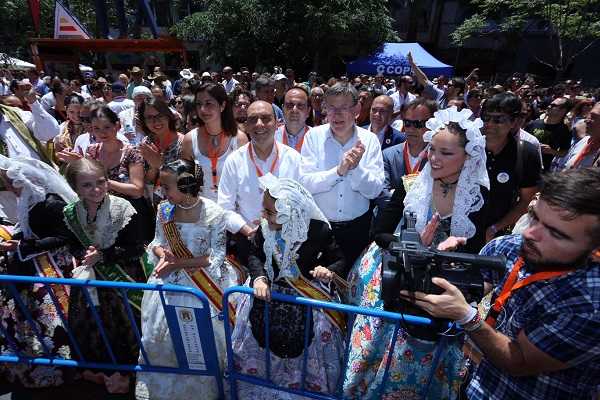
(351, 158)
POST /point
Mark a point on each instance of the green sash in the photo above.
(15, 119)
(108, 272)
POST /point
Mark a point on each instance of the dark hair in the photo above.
(458, 83)
(163, 109)
(73, 98)
(431, 105)
(455, 128)
(577, 191)
(77, 167)
(104, 112)
(239, 91)
(189, 177)
(217, 92)
(262, 82)
(505, 102)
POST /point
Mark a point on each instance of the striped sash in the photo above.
(199, 277)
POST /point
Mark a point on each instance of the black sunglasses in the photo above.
(419, 124)
(497, 119)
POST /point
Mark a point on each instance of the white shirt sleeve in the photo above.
(227, 196)
(368, 177)
(42, 124)
(311, 178)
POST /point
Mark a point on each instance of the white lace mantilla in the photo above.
(468, 197)
(36, 180)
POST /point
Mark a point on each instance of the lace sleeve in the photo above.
(218, 240)
(159, 240)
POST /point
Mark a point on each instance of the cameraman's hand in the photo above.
(451, 304)
(452, 243)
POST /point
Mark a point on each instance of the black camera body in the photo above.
(408, 265)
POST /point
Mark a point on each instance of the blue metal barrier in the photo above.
(189, 363)
(351, 311)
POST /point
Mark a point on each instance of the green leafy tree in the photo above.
(570, 26)
(307, 34)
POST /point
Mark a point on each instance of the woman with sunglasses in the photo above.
(216, 137)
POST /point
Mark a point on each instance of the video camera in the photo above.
(408, 265)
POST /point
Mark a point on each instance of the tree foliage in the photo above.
(570, 26)
(310, 33)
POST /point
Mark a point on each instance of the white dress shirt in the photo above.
(43, 126)
(400, 100)
(239, 190)
(341, 198)
(229, 85)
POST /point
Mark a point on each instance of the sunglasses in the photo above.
(415, 123)
(497, 119)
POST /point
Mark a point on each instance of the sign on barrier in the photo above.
(190, 328)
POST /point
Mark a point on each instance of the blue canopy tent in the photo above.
(391, 60)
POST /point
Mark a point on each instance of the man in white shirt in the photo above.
(229, 83)
(239, 190)
(120, 102)
(342, 167)
(23, 134)
(130, 128)
(295, 112)
(402, 96)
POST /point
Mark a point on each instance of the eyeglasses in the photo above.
(299, 106)
(154, 118)
(339, 110)
(496, 119)
(253, 119)
(240, 104)
(415, 123)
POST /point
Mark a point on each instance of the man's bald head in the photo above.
(382, 109)
(261, 124)
(261, 105)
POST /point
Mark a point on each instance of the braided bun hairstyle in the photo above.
(189, 176)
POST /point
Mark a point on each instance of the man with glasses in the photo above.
(295, 112)
(408, 158)
(239, 190)
(402, 96)
(513, 165)
(342, 167)
(382, 110)
(554, 135)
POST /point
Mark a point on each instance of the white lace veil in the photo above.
(467, 198)
(36, 179)
(295, 208)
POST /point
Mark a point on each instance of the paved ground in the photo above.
(76, 391)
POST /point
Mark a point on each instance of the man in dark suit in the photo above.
(382, 110)
(409, 157)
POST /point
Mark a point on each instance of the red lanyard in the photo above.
(213, 155)
(407, 168)
(259, 172)
(591, 146)
(512, 285)
(298, 146)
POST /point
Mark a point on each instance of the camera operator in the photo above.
(447, 199)
(541, 338)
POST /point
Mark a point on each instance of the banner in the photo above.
(66, 25)
(34, 9)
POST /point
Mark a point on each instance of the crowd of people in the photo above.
(219, 179)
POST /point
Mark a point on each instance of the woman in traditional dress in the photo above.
(293, 253)
(39, 248)
(210, 144)
(188, 249)
(124, 166)
(162, 143)
(110, 245)
(448, 200)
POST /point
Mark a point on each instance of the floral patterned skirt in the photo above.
(324, 359)
(410, 374)
(38, 301)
